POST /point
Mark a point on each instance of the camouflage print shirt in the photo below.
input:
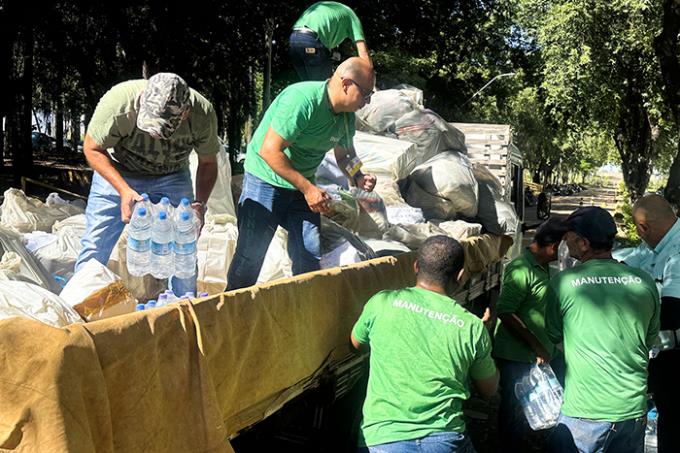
(135, 152)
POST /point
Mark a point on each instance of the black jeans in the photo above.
(663, 384)
(311, 59)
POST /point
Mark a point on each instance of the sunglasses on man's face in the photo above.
(365, 94)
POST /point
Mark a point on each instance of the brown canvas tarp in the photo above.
(184, 377)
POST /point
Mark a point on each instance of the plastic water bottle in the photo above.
(540, 395)
(162, 263)
(651, 442)
(164, 205)
(150, 304)
(162, 300)
(145, 203)
(139, 243)
(139, 307)
(185, 246)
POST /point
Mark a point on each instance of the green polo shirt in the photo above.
(607, 315)
(333, 22)
(424, 349)
(523, 292)
(114, 126)
(301, 115)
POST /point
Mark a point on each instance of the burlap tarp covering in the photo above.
(184, 377)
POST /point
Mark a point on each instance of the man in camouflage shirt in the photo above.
(139, 141)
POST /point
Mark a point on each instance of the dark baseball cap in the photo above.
(593, 223)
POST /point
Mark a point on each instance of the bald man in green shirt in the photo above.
(321, 28)
(302, 124)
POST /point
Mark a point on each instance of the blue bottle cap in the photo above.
(141, 211)
(184, 216)
(165, 200)
(162, 215)
(139, 307)
(203, 294)
(145, 196)
(151, 304)
(185, 202)
(162, 296)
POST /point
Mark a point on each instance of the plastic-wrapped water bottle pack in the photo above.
(162, 239)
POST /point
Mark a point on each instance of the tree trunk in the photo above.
(23, 155)
(633, 140)
(75, 130)
(666, 49)
(59, 132)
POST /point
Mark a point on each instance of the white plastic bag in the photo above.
(386, 107)
(220, 200)
(25, 214)
(430, 133)
(59, 256)
(386, 157)
(216, 246)
(25, 299)
(277, 264)
(27, 267)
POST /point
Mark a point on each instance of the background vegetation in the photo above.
(592, 82)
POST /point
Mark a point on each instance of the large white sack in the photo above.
(277, 264)
(460, 229)
(329, 174)
(496, 214)
(26, 265)
(25, 214)
(91, 277)
(220, 201)
(430, 133)
(31, 301)
(59, 256)
(386, 157)
(216, 247)
(413, 236)
(386, 107)
(444, 187)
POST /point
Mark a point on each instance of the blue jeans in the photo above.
(447, 442)
(104, 225)
(311, 59)
(261, 208)
(592, 436)
(512, 424)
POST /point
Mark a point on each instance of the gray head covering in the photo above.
(162, 104)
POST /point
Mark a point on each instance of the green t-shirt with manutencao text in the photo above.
(333, 22)
(114, 126)
(607, 315)
(301, 115)
(424, 349)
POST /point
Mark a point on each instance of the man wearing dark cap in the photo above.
(425, 351)
(521, 340)
(607, 316)
(138, 141)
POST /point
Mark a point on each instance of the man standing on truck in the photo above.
(607, 316)
(659, 256)
(424, 349)
(320, 29)
(139, 141)
(302, 124)
(521, 340)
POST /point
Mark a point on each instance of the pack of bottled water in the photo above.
(540, 395)
(162, 239)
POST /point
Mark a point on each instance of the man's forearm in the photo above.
(281, 165)
(362, 50)
(206, 175)
(519, 330)
(101, 163)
